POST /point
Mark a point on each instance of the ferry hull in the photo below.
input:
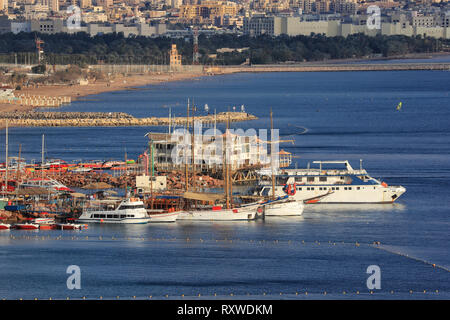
(117, 221)
(365, 194)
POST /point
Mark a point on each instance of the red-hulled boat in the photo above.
(4, 226)
(27, 225)
(70, 225)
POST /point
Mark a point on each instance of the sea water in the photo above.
(331, 116)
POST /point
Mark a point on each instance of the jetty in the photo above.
(108, 119)
(335, 67)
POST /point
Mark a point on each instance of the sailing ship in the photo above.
(280, 206)
(212, 211)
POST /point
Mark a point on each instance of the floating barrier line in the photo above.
(298, 294)
(434, 265)
(357, 244)
(198, 240)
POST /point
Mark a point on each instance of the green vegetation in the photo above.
(81, 49)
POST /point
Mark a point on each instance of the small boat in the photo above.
(217, 213)
(162, 216)
(70, 225)
(50, 184)
(130, 210)
(47, 226)
(4, 226)
(27, 225)
(282, 207)
(44, 220)
(80, 169)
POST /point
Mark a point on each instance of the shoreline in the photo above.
(118, 84)
(136, 81)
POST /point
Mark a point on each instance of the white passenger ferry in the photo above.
(131, 210)
(318, 185)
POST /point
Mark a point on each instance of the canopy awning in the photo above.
(201, 196)
(98, 185)
(33, 191)
(77, 195)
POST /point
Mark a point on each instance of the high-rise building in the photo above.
(176, 3)
(53, 5)
(3, 5)
(85, 4)
(175, 58)
(105, 3)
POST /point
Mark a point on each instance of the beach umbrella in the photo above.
(97, 186)
(111, 192)
(77, 195)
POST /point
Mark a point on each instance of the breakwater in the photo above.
(310, 67)
(107, 119)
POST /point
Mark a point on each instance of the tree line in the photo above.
(82, 49)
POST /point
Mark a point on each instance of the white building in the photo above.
(20, 26)
(397, 25)
(175, 151)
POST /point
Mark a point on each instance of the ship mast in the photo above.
(42, 160)
(18, 168)
(151, 176)
(225, 168)
(6, 163)
(185, 152)
(271, 156)
(126, 175)
(192, 145)
(229, 170)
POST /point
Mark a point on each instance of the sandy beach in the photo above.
(119, 83)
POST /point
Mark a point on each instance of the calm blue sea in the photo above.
(331, 116)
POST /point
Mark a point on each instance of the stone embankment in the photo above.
(309, 67)
(107, 119)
